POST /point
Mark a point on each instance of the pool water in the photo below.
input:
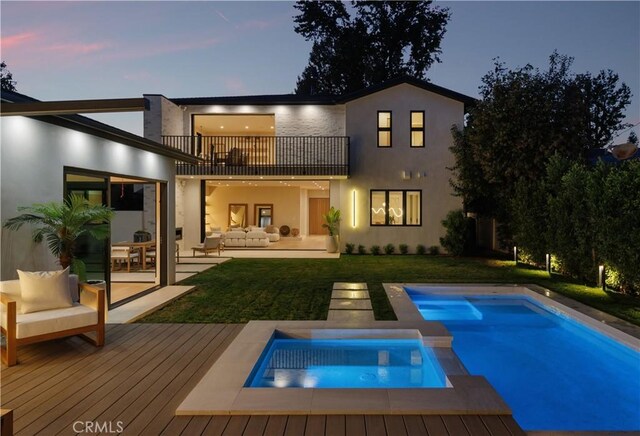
(347, 363)
(555, 373)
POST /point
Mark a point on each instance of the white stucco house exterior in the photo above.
(47, 153)
(380, 155)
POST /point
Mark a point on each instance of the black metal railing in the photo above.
(263, 155)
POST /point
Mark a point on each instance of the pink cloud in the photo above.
(17, 39)
(77, 48)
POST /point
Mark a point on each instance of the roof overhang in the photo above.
(68, 107)
(64, 114)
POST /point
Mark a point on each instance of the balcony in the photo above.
(263, 155)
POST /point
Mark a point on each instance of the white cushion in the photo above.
(12, 289)
(273, 237)
(51, 321)
(257, 239)
(44, 290)
(235, 238)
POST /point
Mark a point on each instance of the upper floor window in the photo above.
(417, 128)
(384, 128)
(396, 208)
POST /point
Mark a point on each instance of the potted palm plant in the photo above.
(331, 222)
(61, 224)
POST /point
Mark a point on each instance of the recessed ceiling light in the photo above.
(261, 177)
(222, 127)
(246, 127)
(272, 127)
(191, 177)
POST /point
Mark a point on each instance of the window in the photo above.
(417, 128)
(395, 208)
(384, 128)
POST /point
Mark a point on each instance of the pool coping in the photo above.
(222, 392)
(609, 325)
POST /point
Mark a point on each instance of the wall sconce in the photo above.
(405, 175)
(353, 209)
(515, 254)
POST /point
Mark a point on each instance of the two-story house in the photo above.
(380, 155)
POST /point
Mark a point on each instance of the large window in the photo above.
(417, 128)
(384, 128)
(395, 208)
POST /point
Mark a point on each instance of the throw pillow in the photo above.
(44, 290)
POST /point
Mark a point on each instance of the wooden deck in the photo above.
(143, 373)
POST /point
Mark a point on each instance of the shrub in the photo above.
(420, 249)
(617, 201)
(434, 250)
(404, 248)
(348, 248)
(375, 250)
(389, 249)
(457, 235)
(362, 249)
(571, 236)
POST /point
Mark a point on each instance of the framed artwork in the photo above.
(238, 215)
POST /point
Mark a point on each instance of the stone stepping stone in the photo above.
(353, 286)
(343, 304)
(351, 315)
(353, 295)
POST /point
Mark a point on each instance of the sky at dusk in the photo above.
(86, 50)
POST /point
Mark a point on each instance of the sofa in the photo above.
(273, 233)
(240, 238)
(257, 239)
(86, 314)
(235, 238)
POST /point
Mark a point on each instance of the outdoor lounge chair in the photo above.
(122, 254)
(211, 243)
(87, 314)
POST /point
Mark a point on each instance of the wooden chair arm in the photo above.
(6, 299)
(93, 297)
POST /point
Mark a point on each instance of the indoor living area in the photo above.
(252, 213)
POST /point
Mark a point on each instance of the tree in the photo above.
(633, 138)
(61, 224)
(6, 78)
(380, 41)
(524, 117)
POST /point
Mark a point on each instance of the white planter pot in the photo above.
(333, 244)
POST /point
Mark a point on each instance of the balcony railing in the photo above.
(264, 155)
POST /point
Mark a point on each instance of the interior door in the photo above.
(317, 208)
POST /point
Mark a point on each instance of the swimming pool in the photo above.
(347, 363)
(554, 372)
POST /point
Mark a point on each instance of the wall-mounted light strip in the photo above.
(353, 209)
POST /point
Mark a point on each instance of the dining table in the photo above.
(142, 246)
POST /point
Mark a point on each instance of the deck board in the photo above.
(276, 425)
(143, 373)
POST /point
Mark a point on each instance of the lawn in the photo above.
(300, 289)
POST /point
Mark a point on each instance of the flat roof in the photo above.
(33, 108)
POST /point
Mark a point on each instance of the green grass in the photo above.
(241, 290)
